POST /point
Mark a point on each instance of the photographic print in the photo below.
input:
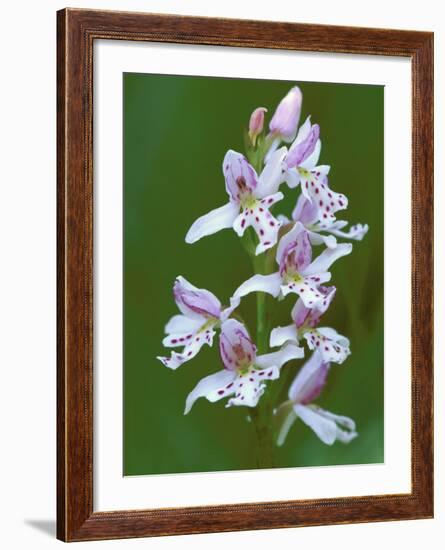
(253, 274)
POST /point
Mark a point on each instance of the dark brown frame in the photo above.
(76, 32)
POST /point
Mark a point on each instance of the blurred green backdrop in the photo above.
(176, 132)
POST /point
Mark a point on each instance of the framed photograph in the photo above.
(245, 230)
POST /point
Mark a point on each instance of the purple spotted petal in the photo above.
(298, 253)
(236, 348)
(241, 178)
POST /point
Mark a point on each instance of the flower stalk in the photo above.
(281, 253)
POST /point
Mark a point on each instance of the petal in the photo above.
(250, 387)
(236, 348)
(292, 177)
(260, 283)
(193, 344)
(324, 261)
(333, 347)
(299, 313)
(227, 312)
(312, 160)
(314, 185)
(324, 428)
(212, 387)
(183, 324)
(287, 115)
(343, 421)
(273, 147)
(265, 225)
(287, 243)
(307, 288)
(281, 335)
(356, 232)
(220, 218)
(305, 211)
(195, 302)
(310, 380)
(345, 436)
(240, 176)
(316, 238)
(283, 219)
(279, 358)
(288, 417)
(300, 151)
(272, 175)
(310, 316)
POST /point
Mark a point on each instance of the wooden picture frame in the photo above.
(76, 32)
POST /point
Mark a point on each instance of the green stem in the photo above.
(262, 414)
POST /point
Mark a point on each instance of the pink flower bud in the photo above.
(256, 123)
(285, 120)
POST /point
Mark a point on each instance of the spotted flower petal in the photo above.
(306, 288)
(201, 314)
(333, 347)
(240, 176)
(237, 350)
(249, 387)
(210, 387)
(192, 343)
(314, 185)
(256, 214)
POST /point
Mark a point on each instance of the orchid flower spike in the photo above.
(245, 373)
(297, 272)
(250, 198)
(333, 347)
(306, 387)
(201, 313)
(301, 162)
(307, 213)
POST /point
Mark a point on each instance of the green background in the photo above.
(176, 132)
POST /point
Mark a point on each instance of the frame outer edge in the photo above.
(75, 517)
(61, 305)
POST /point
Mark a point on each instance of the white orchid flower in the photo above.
(297, 272)
(306, 387)
(250, 198)
(332, 346)
(201, 313)
(245, 373)
(307, 213)
(301, 162)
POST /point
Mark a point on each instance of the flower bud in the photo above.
(256, 123)
(285, 120)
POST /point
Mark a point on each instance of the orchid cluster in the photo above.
(286, 155)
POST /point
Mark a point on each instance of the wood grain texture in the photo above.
(76, 32)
